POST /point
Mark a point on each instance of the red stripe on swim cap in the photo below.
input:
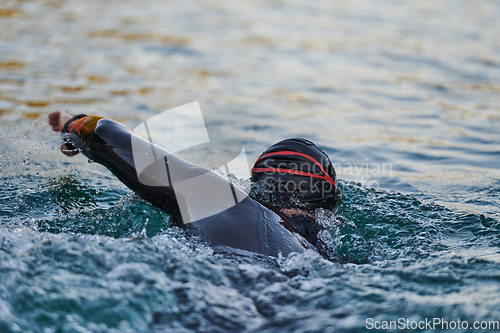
(296, 172)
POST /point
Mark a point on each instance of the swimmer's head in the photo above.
(297, 167)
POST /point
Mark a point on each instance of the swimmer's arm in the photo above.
(198, 189)
(108, 143)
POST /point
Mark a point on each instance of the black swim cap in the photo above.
(299, 166)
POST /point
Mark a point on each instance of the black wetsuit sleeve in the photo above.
(224, 214)
(108, 142)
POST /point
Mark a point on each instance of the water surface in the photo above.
(404, 97)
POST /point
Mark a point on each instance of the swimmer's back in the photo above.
(247, 225)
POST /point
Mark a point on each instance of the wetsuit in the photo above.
(244, 224)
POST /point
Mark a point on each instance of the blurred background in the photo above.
(410, 83)
(404, 96)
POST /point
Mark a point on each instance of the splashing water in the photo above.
(402, 95)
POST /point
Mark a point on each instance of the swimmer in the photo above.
(293, 178)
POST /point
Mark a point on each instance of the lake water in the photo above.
(404, 96)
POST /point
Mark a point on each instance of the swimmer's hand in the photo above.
(57, 120)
